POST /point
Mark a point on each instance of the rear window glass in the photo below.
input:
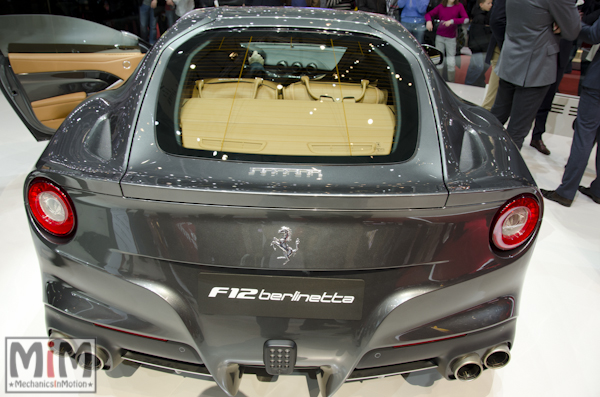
(288, 96)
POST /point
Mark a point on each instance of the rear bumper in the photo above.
(440, 354)
(155, 320)
(377, 363)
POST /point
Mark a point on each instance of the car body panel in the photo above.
(159, 298)
(171, 240)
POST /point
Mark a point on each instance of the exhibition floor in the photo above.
(556, 346)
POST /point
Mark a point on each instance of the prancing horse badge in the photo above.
(282, 243)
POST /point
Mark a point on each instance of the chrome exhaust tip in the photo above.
(60, 344)
(497, 357)
(467, 368)
(88, 359)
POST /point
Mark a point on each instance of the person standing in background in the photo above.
(541, 117)
(182, 7)
(413, 17)
(147, 21)
(451, 14)
(587, 131)
(498, 27)
(170, 13)
(479, 39)
(376, 6)
(527, 64)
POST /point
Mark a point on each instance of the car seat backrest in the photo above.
(235, 88)
(306, 90)
(292, 128)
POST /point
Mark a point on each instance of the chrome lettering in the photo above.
(297, 172)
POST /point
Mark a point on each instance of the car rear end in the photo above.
(299, 217)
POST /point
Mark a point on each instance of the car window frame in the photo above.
(334, 160)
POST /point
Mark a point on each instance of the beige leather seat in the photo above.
(236, 88)
(291, 128)
(312, 118)
(306, 90)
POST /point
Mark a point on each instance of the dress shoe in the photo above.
(588, 192)
(552, 195)
(538, 144)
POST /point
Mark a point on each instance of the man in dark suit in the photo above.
(564, 58)
(527, 64)
(587, 131)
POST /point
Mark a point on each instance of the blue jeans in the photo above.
(171, 17)
(475, 72)
(147, 20)
(416, 29)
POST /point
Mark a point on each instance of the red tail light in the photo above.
(515, 222)
(51, 207)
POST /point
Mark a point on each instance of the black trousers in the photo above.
(587, 131)
(521, 105)
(563, 63)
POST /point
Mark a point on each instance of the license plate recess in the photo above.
(280, 296)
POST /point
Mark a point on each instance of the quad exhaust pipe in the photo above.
(91, 359)
(497, 357)
(86, 357)
(60, 344)
(469, 367)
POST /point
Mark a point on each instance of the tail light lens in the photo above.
(51, 207)
(515, 222)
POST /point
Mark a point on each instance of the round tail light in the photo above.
(515, 222)
(51, 207)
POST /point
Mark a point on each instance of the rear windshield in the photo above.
(288, 96)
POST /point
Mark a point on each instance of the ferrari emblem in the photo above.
(283, 244)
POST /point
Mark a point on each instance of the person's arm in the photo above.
(401, 3)
(433, 14)
(591, 34)
(591, 17)
(498, 21)
(566, 17)
(463, 17)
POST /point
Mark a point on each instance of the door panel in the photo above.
(46, 85)
(120, 65)
(52, 111)
(52, 63)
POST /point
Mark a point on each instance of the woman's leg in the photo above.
(451, 52)
(441, 45)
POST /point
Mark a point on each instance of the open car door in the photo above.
(50, 63)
